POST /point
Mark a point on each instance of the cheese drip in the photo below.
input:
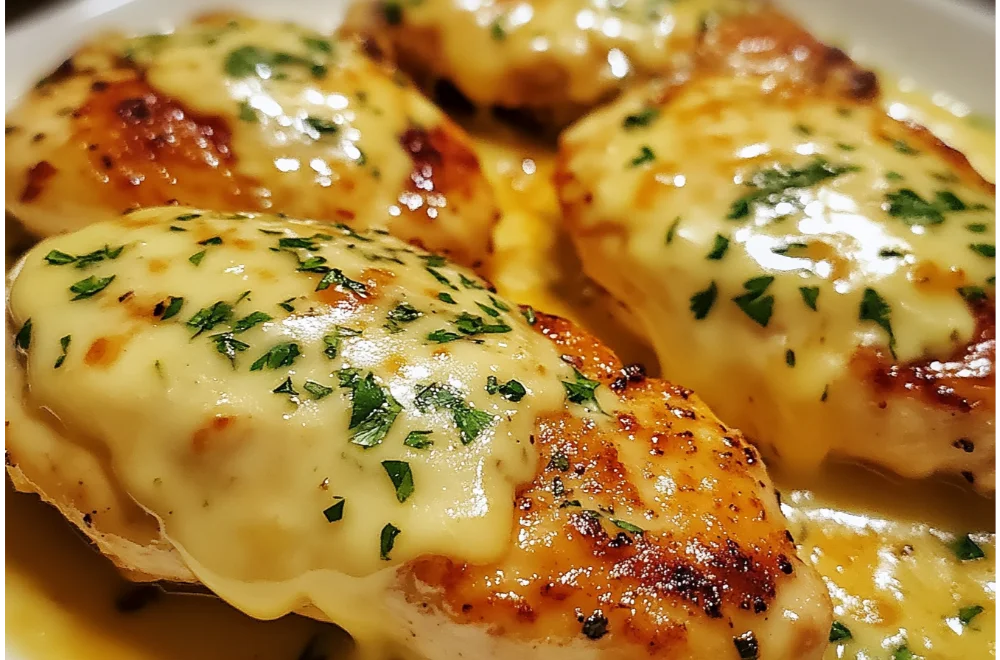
(240, 433)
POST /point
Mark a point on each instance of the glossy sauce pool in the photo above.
(882, 544)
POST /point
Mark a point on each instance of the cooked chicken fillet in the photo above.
(304, 418)
(240, 114)
(829, 270)
(553, 59)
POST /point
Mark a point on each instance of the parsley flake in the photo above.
(754, 303)
(280, 355)
(373, 411)
(839, 632)
(64, 345)
(23, 338)
(401, 477)
(642, 118)
(809, 296)
(90, 286)
(702, 301)
(317, 390)
(987, 250)
(387, 539)
(646, 155)
(335, 511)
(874, 308)
(418, 440)
(967, 614)
(207, 318)
(470, 421)
(582, 391)
(967, 550)
(719, 248)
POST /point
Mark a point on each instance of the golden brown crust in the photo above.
(571, 564)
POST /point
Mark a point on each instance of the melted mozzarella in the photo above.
(835, 206)
(549, 55)
(240, 463)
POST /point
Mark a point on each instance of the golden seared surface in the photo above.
(709, 575)
(830, 269)
(234, 113)
(553, 59)
(552, 500)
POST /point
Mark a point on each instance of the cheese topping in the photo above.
(595, 43)
(836, 230)
(306, 112)
(288, 397)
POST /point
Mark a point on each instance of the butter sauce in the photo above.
(61, 596)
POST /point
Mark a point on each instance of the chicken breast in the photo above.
(554, 60)
(829, 270)
(241, 114)
(305, 418)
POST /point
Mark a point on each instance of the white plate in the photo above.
(943, 45)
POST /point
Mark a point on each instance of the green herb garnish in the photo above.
(582, 391)
(280, 355)
(64, 345)
(718, 248)
(642, 118)
(90, 286)
(23, 338)
(646, 155)
(387, 539)
(373, 409)
(967, 550)
(317, 390)
(207, 318)
(401, 477)
(875, 308)
(335, 511)
(754, 303)
(702, 301)
(418, 440)
(839, 632)
(774, 185)
(471, 422)
(809, 296)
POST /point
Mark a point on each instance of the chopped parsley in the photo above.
(503, 307)
(475, 325)
(528, 313)
(976, 227)
(249, 321)
(558, 461)
(317, 390)
(281, 355)
(595, 626)
(332, 340)
(255, 61)
(967, 614)
(321, 126)
(912, 209)
(23, 338)
(387, 539)
(228, 345)
(489, 311)
(903, 653)
(627, 526)
(967, 550)
(215, 240)
(373, 409)
(809, 296)
(874, 308)
(790, 357)
(401, 477)
(443, 336)
(57, 258)
(64, 345)
(497, 32)
(718, 248)
(90, 286)
(747, 646)
(247, 114)
(646, 155)
(904, 148)
(207, 318)
(582, 391)
(286, 387)
(972, 293)
(441, 278)
(446, 298)
(642, 118)
(987, 250)
(404, 313)
(754, 303)
(774, 185)
(949, 200)
(336, 276)
(418, 440)
(318, 45)
(335, 511)
(702, 301)
(512, 391)
(287, 305)
(471, 422)
(839, 632)
(168, 308)
(672, 230)
(197, 257)
(470, 283)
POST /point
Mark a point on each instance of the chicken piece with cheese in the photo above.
(244, 115)
(828, 270)
(554, 60)
(307, 418)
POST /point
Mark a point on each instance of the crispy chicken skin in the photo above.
(643, 527)
(830, 269)
(550, 61)
(239, 114)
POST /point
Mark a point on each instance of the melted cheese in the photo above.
(530, 53)
(724, 185)
(61, 595)
(239, 463)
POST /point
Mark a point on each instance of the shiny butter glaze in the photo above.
(555, 59)
(234, 113)
(237, 474)
(674, 198)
